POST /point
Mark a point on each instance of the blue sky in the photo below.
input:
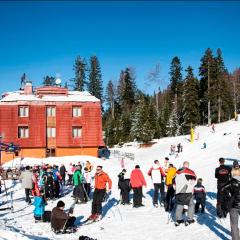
(43, 38)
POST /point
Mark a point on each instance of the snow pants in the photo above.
(27, 194)
(46, 217)
(137, 197)
(97, 201)
(87, 190)
(79, 192)
(190, 212)
(158, 187)
(234, 214)
(169, 198)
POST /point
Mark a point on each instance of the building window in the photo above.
(51, 111)
(76, 111)
(76, 132)
(23, 132)
(23, 111)
(51, 132)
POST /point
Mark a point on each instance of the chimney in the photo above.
(28, 88)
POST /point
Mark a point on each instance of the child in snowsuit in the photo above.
(199, 196)
(39, 211)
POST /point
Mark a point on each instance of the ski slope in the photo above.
(146, 223)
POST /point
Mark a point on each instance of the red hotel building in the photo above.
(51, 121)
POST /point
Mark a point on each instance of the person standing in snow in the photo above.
(157, 174)
(70, 174)
(231, 193)
(223, 175)
(27, 183)
(184, 184)
(199, 196)
(78, 184)
(124, 186)
(101, 181)
(171, 172)
(63, 171)
(87, 181)
(137, 181)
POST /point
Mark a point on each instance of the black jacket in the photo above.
(223, 175)
(62, 171)
(123, 183)
(231, 194)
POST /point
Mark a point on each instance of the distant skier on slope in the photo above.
(184, 184)
(223, 174)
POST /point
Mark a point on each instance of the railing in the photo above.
(124, 155)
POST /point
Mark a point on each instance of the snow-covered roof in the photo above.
(72, 96)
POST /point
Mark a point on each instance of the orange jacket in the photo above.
(101, 180)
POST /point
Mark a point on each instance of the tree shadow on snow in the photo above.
(209, 219)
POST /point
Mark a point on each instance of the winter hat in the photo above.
(60, 204)
(235, 164)
(137, 166)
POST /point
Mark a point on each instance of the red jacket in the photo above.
(137, 179)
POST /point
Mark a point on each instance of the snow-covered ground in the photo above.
(124, 222)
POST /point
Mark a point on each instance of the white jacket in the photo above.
(156, 173)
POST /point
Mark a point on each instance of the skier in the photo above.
(184, 184)
(157, 174)
(78, 184)
(124, 186)
(231, 201)
(137, 181)
(199, 196)
(27, 184)
(223, 174)
(101, 181)
(61, 221)
(171, 172)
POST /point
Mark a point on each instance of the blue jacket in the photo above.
(39, 206)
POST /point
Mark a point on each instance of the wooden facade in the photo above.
(60, 133)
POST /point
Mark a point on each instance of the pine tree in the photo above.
(173, 127)
(190, 101)
(95, 86)
(49, 81)
(127, 90)
(207, 69)
(110, 98)
(80, 76)
(176, 77)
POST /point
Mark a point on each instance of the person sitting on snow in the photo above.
(61, 221)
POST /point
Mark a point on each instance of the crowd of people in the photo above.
(179, 191)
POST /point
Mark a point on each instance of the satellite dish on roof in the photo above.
(58, 81)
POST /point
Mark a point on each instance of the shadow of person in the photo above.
(210, 220)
